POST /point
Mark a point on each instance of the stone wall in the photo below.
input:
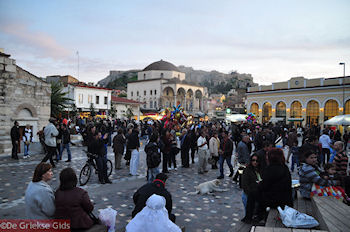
(23, 97)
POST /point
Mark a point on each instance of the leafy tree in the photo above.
(92, 110)
(59, 101)
(112, 111)
(129, 114)
(122, 95)
(73, 112)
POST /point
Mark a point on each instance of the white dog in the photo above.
(208, 187)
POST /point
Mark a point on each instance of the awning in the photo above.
(295, 119)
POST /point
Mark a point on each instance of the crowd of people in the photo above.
(257, 151)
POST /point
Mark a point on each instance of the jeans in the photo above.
(134, 162)
(26, 149)
(295, 160)
(152, 173)
(101, 163)
(65, 146)
(244, 200)
(50, 153)
(221, 163)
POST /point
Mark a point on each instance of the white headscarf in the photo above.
(153, 218)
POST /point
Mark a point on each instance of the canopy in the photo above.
(236, 117)
(274, 120)
(343, 120)
(295, 119)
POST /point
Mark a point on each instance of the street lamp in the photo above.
(343, 63)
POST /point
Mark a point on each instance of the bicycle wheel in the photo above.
(109, 167)
(85, 174)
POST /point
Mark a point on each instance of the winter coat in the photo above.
(153, 156)
(243, 153)
(147, 190)
(75, 205)
(119, 143)
(276, 186)
(249, 180)
(14, 134)
(213, 146)
(50, 132)
(39, 200)
(309, 175)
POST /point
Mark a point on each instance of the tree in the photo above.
(92, 110)
(73, 112)
(129, 113)
(112, 111)
(59, 101)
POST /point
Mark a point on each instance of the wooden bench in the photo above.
(300, 204)
(332, 214)
(271, 229)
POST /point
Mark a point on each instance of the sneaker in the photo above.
(220, 177)
(28, 156)
(170, 168)
(68, 161)
(175, 169)
(25, 157)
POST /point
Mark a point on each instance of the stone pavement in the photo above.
(217, 212)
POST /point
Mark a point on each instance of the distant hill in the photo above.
(223, 82)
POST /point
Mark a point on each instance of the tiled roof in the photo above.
(124, 100)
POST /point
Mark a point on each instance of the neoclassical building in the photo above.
(161, 85)
(311, 101)
(24, 98)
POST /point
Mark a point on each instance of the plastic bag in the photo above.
(108, 217)
(293, 218)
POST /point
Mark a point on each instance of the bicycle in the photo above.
(90, 164)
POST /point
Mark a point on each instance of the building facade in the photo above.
(311, 101)
(83, 96)
(162, 85)
(24, 98)
(122, 105)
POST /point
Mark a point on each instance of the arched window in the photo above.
(331, 109)
(347, 107)
(161, 75)
(312, 112)
(295, 110)
(132, 93)
(254, 108)
(267, 112)
(281, 110)
(144, 76)
(137, 93)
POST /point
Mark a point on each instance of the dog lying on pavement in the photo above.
(208, 187)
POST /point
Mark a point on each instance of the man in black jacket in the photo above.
(227, 148)
(157, 187)
(185, 148)
(15, 139)
(65, 142)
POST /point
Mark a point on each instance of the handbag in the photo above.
(94, 218)
(211, 160)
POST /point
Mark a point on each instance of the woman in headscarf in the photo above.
(153, 218)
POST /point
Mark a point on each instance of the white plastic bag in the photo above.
(108, 218)
(293, 218)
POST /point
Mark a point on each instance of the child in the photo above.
(295, 156)
(329, 171)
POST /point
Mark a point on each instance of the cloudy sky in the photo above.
(272, 40)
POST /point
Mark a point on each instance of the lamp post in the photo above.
(343, 63)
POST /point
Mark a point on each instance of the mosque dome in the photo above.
(162, 65)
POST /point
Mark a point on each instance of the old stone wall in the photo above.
(23, 97)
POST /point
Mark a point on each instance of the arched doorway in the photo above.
(254, 108)
(267, 112)
(189, 100)
(296, 110)
(347, 107)
(331, 109)
(199, 99)
(180, 96)
(281, 110)
(168, 97)
(312, 112)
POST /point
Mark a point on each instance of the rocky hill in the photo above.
(224, 82)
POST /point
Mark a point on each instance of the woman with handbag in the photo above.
(72, 202)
